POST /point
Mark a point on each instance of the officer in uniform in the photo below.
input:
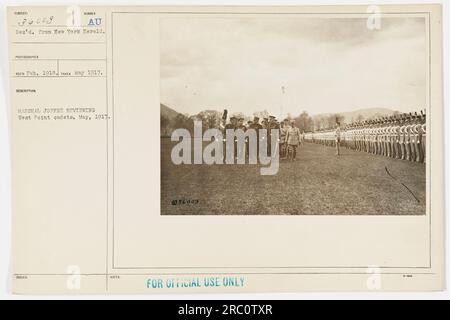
(230, 126)
(271, 125)
(292, 140)
(255, 125)
(240, 124)
(283, 132)
(239, 149)
(265, 122)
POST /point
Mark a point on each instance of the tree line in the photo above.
(212, 119)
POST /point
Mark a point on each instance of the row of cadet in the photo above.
(401, 136)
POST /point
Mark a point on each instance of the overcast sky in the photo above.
(326, 64)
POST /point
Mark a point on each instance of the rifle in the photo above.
(224, 119)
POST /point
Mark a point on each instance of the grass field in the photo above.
(318, 183)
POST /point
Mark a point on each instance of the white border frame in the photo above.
(5, 168)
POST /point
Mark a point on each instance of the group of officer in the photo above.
(268, 123)
(290, 137)
(237, 123)
(401, 136)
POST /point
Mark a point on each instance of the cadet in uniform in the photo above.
(417, 129)
(424, 137)
(395, 138)
(338, 138)
(302, 136)
(408, 139)
(401, 136)
(384, 130)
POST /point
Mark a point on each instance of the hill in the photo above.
(168, 112)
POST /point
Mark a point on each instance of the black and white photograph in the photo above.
(294, 115)
(250, 151)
